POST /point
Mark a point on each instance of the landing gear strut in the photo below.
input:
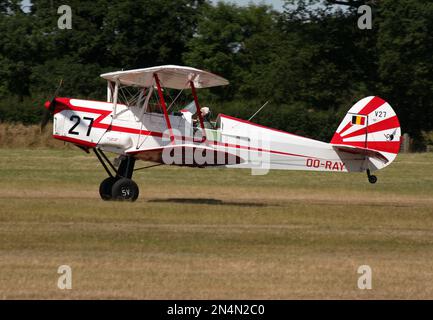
(371, 178)
(119, 186)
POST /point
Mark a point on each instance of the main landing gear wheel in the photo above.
(118, 186)
(105, 188)
(125, 189)
(371, 178)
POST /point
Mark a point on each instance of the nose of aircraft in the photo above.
(50, 106)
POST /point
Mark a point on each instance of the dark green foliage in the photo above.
(311, 62)
(406, 61)
(27, 110)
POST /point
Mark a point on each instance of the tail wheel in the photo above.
(125, 190)
(105, 188)
(372, 179)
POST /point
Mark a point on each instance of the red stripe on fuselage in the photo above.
(236, 146)
(260, 126)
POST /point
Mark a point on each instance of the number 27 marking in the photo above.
(77, 120)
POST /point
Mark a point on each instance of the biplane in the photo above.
(142, 121)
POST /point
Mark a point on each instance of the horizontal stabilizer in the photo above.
(362, 151)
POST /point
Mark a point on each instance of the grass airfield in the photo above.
(213, 233)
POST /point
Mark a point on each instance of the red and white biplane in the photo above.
(137, 123)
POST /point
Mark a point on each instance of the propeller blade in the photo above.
(57, 90)
(47, 113)
(50, 108)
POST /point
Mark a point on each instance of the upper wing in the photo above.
(171, 76)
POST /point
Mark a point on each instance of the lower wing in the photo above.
(187, 155)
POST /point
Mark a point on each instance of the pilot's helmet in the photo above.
(204, 111)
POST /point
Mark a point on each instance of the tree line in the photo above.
(310, 61)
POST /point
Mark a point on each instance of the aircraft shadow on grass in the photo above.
(208, 201)
(218, 202)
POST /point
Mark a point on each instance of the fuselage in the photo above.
(131, 131)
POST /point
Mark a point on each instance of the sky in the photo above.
(25, 3)
(277, 4)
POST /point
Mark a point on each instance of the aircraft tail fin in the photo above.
(371, 124)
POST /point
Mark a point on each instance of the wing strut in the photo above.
(197, 106)
(164, 107)
(98, 154)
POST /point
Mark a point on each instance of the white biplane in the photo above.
(137, 123)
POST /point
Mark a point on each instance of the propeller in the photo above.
(50, 106)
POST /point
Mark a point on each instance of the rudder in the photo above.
(371, 124)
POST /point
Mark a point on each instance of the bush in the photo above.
(28, 111)
(18, 135)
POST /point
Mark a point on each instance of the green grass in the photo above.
(213, 233)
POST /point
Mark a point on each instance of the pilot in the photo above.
(206, 115)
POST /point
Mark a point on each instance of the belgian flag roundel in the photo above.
(358, 120)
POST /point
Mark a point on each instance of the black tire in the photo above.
(105, 188)
(125, 190)
(372, 179)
